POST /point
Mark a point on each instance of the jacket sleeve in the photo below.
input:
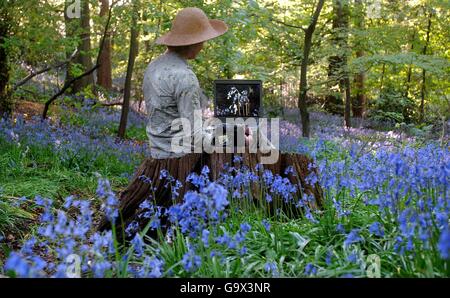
(189, 100)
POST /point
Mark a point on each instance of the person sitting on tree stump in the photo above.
(173, 100)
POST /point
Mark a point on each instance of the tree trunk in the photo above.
(423, 88)
(147, 177)
(334, 100)
(359, 105)
(131, 59)
(69, 25)
(303, 92)
(6, 104)
(383, 73)
(104, 77)
(345, 81)
(84, 57)
(347, 111)
(339, 102)
(409, 72)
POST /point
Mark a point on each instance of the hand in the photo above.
(248, 136)
(208, 113)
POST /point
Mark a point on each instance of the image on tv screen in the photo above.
(237, 99)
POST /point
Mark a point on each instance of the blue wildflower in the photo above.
(310, 269)
(266, 225)
(271, 267)
(245, 227)
(138, 245)
(17, 264)
(352, 237)
(376, 229)
(340, 228)
(444, 244)
(205, 237)
(191, 262)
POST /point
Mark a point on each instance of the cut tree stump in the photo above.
(140, 189)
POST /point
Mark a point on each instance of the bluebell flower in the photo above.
(310, 217)
(191, 262)
(328, 257)
(132, 228)
(310, 269)
(245, 227)
(68, 202)
(215, 253)
(145, 179)
(17, 264)
(352, 257)
(19, 201)
(138, 245)
(376, 229)
(155, 265)
(352, 237)
(27, 248)
(110, 203)
(340, 228)
(266, 225)
(224, 239)
(100, 267)
(205, 237)
(444, 244)
(271, 267)
(219, 195)
(146, 205)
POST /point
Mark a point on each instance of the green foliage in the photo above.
(392, 106)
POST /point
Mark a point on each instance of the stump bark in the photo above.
(139, 189)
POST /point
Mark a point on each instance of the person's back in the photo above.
(171, 91)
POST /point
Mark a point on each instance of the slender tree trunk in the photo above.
(423, 88)
(303, 93)
(334, 102)
(347, 111)
(70, 33)
(131, 59)
(345, 81)
(383, 72)
(359, 105)
(6, 104)
(104, 77)
(409, 72)
(84, 57)
(359, 108)
(423, 93)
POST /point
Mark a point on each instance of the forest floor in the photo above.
(386, 191)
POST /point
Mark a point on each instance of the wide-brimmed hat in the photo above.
(191, 26)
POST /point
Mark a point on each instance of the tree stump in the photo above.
(140, 189)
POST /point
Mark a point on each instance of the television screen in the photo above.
(237, 98)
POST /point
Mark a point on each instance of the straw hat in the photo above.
(191, 26)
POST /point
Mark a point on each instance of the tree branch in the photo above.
(97, 65)
(286, 24)
(48, 68)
